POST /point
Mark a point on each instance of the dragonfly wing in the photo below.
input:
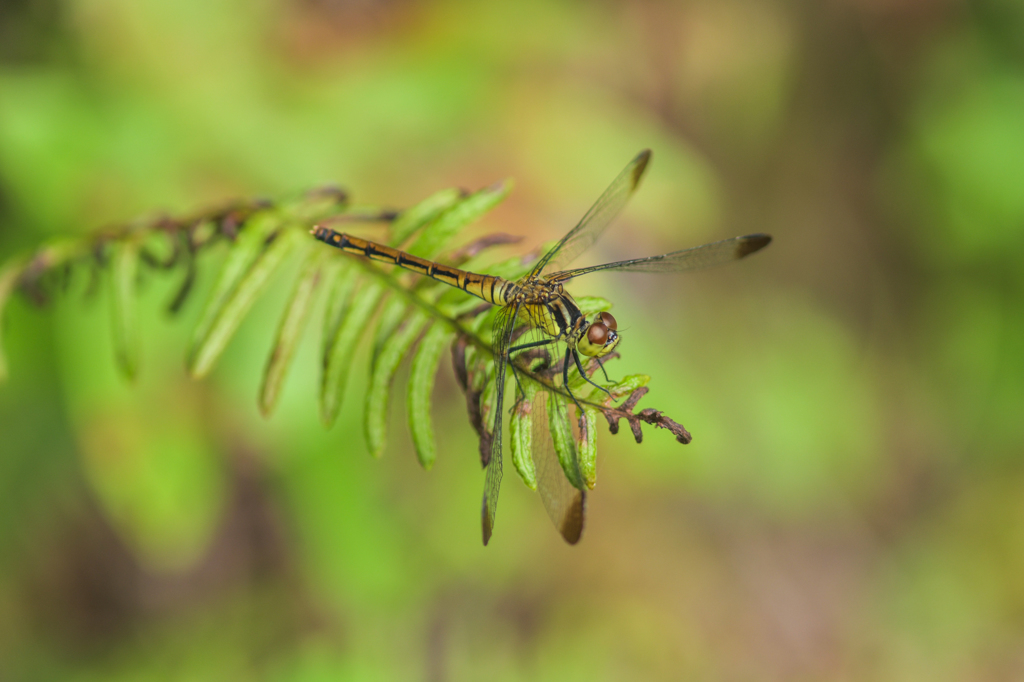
(697, 258)
(500, 340)
(566, 505)
(589, 229)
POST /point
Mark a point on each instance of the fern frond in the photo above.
(400, 314)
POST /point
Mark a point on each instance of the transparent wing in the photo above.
(566, 506)
(697, 258)
(501, 339)
(589, 229)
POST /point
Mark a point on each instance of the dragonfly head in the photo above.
(600, 338)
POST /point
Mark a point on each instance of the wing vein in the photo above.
(696, 258)
(501, 340)
(597, 219)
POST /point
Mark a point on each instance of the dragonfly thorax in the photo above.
(552, 309)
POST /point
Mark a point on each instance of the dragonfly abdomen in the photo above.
(491, 289)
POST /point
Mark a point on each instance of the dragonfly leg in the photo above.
(603, 370)
(521, 393)
(565, 377)
(532, 344)
(579, 366)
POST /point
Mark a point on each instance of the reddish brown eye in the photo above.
(597, 334)
(608, 321)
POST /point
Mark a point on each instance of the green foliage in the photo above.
(341, 283)
(237, 289)
(587, 446)
(385, 365)
(341, 349)
(520, 433)
(561, 435)
(423, 213)
(9, 275)
(421, 384)
(404, 315)
(243, 255)
(291, 328)
(449, 222)
(854, 509)
(124, 267)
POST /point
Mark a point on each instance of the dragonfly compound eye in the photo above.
(597, 334)
(608, 321)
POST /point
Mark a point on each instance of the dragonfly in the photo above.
(540, 301)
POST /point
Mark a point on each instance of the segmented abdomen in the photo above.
(490, 289)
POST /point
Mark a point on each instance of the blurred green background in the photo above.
(852, 505)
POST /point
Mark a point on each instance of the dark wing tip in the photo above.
(572, 523)
(488, 523)
(751, 244)
(641, 161)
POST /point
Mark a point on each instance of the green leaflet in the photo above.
(341, 352)
(342, 280)
(250, 247)
(384, 368)
(412, 219)
(290, 329)
(564, 442)
(432, 239)
(124, 269)
(628, 385)
(234, 309)
(484, 321)
(584, 389)
(456, 309)
(520, 432)
(391, 316)
(593, 304)
(159, 248)
(587, 447)
(204, 232)
(9, 275)
(421, 386)
(510, 268)
(60, 251)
